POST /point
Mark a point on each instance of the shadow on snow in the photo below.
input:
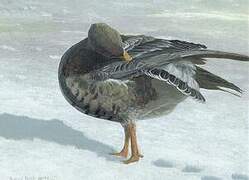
(21, 127)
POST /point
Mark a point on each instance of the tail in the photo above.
(210, 81)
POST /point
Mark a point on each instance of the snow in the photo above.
(43, 137)
(56, 57)
(7, 48)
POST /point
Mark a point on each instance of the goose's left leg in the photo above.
(135, 155)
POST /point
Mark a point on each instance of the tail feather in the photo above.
(215, 54)
(195, 56)
(210, 81)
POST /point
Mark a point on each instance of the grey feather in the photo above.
(180, 85)
(207, 80)
(154, 57)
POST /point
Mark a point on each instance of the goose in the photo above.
(126, 78)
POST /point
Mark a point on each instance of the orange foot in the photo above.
(132, 159)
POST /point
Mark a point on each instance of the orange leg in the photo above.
(124, 152)
(135, 155)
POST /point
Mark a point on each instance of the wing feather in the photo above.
(181, 85)
(171, 61)
(146, 46)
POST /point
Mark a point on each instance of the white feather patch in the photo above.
(183, 70)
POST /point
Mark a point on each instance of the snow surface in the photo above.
(43, 138)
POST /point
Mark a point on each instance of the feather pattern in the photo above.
(180, 75)
(147, 46)
(171, 61)
(178, 83)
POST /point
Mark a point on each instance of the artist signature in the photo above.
(33, 178)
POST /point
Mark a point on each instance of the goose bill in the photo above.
(126, 57)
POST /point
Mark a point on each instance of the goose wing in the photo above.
(171, 61)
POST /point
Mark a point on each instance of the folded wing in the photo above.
(171, 61)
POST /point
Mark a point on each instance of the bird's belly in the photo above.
(167, 99)
(110, 99)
